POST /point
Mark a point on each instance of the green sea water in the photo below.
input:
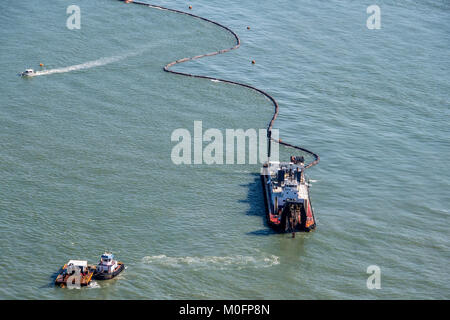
(85, 154)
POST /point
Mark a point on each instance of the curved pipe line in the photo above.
(237, 45)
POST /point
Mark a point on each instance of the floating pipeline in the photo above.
(237, 45)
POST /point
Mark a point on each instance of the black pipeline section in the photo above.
(237, 45)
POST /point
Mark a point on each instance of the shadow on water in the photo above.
(255, 200)
(51, 280)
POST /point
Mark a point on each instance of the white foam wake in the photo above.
(214, 262)
(86, 65)
(94, 285)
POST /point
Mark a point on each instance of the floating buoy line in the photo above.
(237, 45)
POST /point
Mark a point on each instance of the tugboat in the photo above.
(75, 272)
(108, 268)
(286, 196)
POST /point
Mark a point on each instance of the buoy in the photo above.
(190, 7)
(41, 64)
(253, 62)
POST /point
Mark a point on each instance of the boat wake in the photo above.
(86, 65)
(94, 285)
(213, 262)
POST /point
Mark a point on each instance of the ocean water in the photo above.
(85, 148)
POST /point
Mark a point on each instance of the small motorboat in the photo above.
(28, 73)
(75, 273)
(108, 268)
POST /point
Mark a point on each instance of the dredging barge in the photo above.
(286, 196)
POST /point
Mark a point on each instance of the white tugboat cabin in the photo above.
(108, 267)
(107, 263)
